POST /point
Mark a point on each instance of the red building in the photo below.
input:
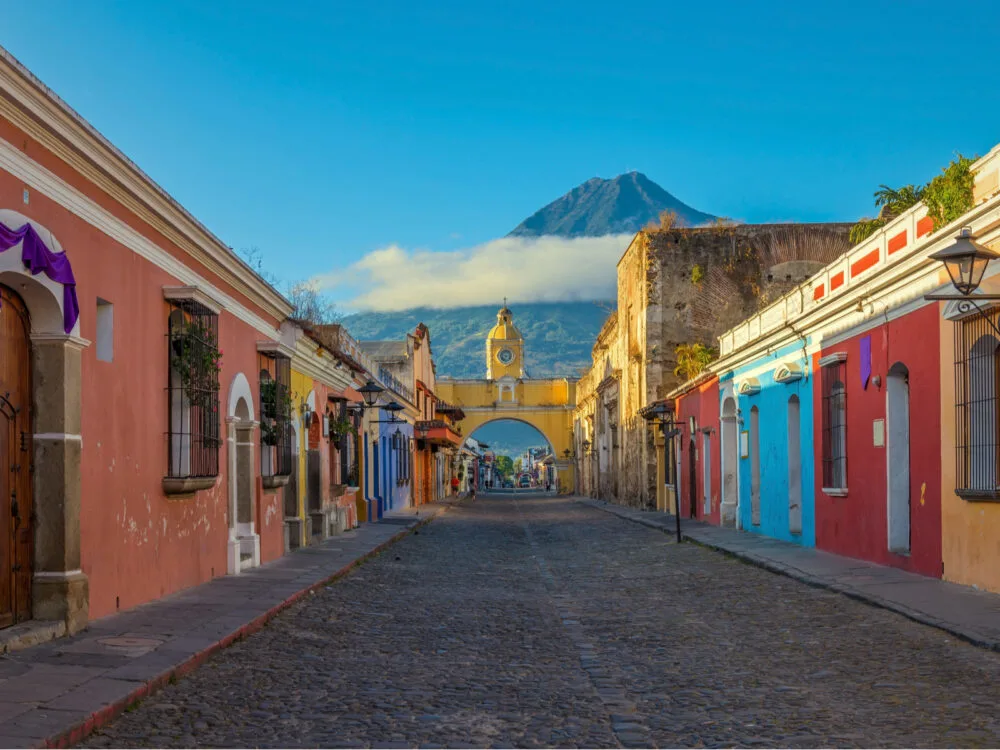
(878, 442)
(696, 463)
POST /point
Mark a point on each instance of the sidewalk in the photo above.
(57, 693)
(963, 611)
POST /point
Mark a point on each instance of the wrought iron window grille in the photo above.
(193, 419)
(276, 432)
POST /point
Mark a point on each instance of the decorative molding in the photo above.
(278, 349)
(193, 294)
(749, 387)
(76, 342)
(787, 372)
(833, 359)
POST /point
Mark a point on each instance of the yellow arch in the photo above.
(547, 405)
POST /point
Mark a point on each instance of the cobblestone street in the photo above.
(533, 621)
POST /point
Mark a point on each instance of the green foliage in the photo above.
(697, 274)
(864, 229)
(196, 357)
(276, 408)
(341, 427)
(891, 202)
(692, 359)
(505, 466)
(949, 195)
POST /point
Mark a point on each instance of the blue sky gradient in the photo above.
(320, 131)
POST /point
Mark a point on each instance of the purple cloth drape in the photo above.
(39, 259)
(866, 361)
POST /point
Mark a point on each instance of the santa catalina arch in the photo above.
(507, 392)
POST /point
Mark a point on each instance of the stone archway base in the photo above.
(60, 589)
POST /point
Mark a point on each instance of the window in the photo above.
(275, 414)
(105, 330)
(977, 432)
(193, 390)
(834, 422)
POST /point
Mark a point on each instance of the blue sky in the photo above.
(322, 131)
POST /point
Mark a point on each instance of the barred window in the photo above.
(275, 414)
(193, 436)
(977, 430)
(834, 423)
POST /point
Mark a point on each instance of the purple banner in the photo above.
(866, 361)
(39, 259)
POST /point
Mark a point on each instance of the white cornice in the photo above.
(192, 294)
(275, 348)
(35, 109)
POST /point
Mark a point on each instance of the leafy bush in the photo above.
(949, 195)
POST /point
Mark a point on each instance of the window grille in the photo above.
(275, 414)
(194, 360)
(977, 431)
(835, 425)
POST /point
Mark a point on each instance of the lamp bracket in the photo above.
(967, 303)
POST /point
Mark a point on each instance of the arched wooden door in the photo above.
(15, 460)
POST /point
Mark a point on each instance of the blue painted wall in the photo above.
(772, 403)
(393, 494)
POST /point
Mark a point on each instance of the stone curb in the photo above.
(80, 731)
(969, 636)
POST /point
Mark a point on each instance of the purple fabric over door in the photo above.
(866, 361)
(37, 258)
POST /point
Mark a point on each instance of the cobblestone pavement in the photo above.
(531, 622)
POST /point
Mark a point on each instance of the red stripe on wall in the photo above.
(863, 264)
(898, 242)
(925, 226)
(818, 292)
(836, 280)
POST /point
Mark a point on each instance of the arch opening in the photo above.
(522, 457)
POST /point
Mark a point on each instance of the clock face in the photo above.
(506, 356)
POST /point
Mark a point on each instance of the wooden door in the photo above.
(16, 511)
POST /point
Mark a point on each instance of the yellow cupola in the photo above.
(504, 348)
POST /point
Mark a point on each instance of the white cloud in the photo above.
(542, 269)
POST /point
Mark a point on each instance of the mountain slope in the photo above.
(558, 337)
(622, 205)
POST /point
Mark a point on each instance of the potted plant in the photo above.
(341, 427)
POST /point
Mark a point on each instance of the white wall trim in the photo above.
(832, 359)
(68, 436)
(239, 387)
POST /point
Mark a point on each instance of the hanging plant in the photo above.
(276, 409)
(196, 357)
(341, 427)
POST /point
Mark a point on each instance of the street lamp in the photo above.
(966, 261)
(370, 392)
(662, 414)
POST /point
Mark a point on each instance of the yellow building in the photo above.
(508, 393)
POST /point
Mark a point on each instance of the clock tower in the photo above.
(504, 348)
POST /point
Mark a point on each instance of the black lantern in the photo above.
(966, 262)
(370, 392)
